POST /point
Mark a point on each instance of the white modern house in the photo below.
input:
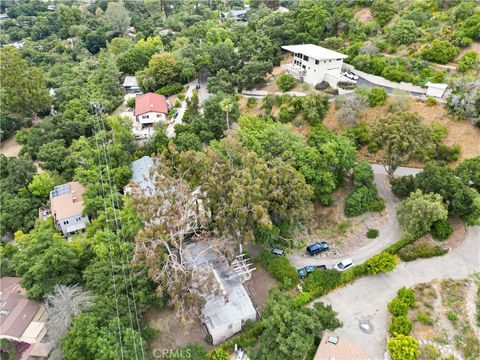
(223, 314)
(314, 64)
(66, 205)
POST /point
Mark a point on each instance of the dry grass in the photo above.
(364, 15)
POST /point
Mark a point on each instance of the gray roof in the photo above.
(231, 306)
(141, 173)
(130, 81)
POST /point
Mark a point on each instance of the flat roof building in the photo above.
(142, 176)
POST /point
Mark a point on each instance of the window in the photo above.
(304, 66)
(158, 115)
(144, 116)
(305, 57)
(78, 219)
(316, 62)
(230, 326)
(65, 222)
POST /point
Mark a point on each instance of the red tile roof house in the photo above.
(21, 319)
(150, 109)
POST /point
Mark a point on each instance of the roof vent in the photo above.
(333, 340)
(331, 357)
(151, 105)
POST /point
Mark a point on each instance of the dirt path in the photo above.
(10, 147)
(470, 300)
(444, 322)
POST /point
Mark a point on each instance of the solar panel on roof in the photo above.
(61, 190)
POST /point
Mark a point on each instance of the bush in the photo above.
(131, 102)
(303, 298)
(170, 89)
(358, 135)
(403, 347)
(373, 147)
(218, 354)
(285, 82)
(452, 316)
(280, 269)
(468, 61)
(424, 318)
(400, 325)
(447, 153)
(421, 250)
(321, 86)
(400, 244)
(440, 51)
(441, 230)
(178, 103)
(251, 102)
(377, 97)
(321, 281)
(397, 307)
(407, 296)
(431, 101)
(383, 262)
(372, 233)
(403, 186)
(362, 200)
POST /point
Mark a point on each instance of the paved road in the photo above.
(389, 233)
(367, 298)
(181, 112)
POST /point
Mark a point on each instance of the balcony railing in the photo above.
(295, 70)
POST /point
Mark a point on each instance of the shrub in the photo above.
(358, 135)
(403, 347)
(468, 61)
(251, 102)
(441, 230)
(452, 316)
(383, 262)
(373, 147)
(400, 325)
(424, 318)
(170, 89)
(421, 250)
(218, 354)
(360, 270)
(320, 282)
(131, 102)
(431, 101)
(447, 153)
(321, 85)
(372, 233)
(303, 298)
(397, 307)
(431, 353)
(440, 51)
(280, 269)
(362, 200)
(407, 296)
(178, 103)
(285, 82)
(287, 113)
(403, 186)
(347, 276)
(377, 97)
(400, 244)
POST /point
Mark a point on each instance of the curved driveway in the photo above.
(389, 233)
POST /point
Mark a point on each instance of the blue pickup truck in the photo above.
(307, 270)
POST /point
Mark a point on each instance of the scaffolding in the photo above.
(243, 267)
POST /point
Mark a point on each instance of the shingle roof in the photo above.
(314, 51)
(150, 102)
(142, 173)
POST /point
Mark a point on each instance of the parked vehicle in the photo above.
(197, 86)
(317, 248)
(307, 270)
(350, 75)
(276, 251)
(175, 114)
(343, 265)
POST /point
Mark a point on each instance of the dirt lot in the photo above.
(364, 15)
(441, 321)
(174, 333)
(258, 286)
(460, 132)
(10, 147)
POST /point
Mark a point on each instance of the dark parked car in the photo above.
(276, 251)
(197, 86)
(307, 270)
(317, 248)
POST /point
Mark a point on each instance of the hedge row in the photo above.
(280, 269)
(246, 338)
(415, 251)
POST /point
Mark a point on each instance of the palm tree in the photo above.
(227, 106)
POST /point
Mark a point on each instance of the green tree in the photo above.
(137, 56)
(383, 262)
(377, 97)
(23, 86)
(44, 259)
(253, 74)
(227, 106)
(469, 172)
(285, 82)
(404, 32)
(440, 51)
(315, 108)
(403, 347)
(402, 136)
(218, 354)
(53, 155)
(43, 183)
(222, 82)
(383, 11)
(117, 18)
(290, 329)
(419, 211)
(162, 70)
(468, 61)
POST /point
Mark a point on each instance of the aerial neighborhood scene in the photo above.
(240, 179)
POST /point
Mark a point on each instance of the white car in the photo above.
(351, 75)
(344, 265)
